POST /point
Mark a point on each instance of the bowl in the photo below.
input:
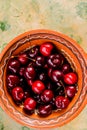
(76, 56)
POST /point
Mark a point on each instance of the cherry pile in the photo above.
(41, 80)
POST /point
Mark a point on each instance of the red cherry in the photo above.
(70, 78)
(38, 86)
(29, 72)
(46, 48)
(47, 95)
(23, 58)
(13, 65)
(61, 102)
(12, 81)
(29, 104)
(70, 91)
(17, 93)
(45, 110)
(56, 75)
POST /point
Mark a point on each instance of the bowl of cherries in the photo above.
(43, 79)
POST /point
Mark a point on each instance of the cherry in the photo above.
(47, 95)
(43, 76)
(66, 68)
(39, 61)
(13, 65)
(17, 93)
(55, 60)
(29, 73)
(12, 80)
(70, 78)
(29, 104)
(61, 102)
(33, 52)
(46, 48)
(21, 71)
(70, 91)
(38, 87)
(23, 58)
(56, 75)
(45, 110)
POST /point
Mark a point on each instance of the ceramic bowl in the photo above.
(76, 56)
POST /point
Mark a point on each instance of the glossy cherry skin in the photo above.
(70, 78)
(39, 61)
(29, 104)
(33, 52)
(29, 73)
(23, 58)
(56, 75)
(13, 65)
(55, 60)
(46, 48)
(17, 93)
(70, 91)
(47, 95)
(12, 80)
(61, 102)
(38, 86)
(45, 110)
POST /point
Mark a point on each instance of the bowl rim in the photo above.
(52, 32)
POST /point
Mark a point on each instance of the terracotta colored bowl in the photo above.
(76, 56)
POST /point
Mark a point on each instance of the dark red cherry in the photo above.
(56, 75)
(38, 86)
(70, 91)
(12, 81)
(70, 78)
(33, 52)
(29, 104)
(46, 48)
(45, 110)
(66, 68)
(40, 61)
(29, 73)
(42, 76)
(13, 65)
(47, 95)
(21, 71)
(61, 102)
(55, 60)
(23, 58)
(17, 93)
